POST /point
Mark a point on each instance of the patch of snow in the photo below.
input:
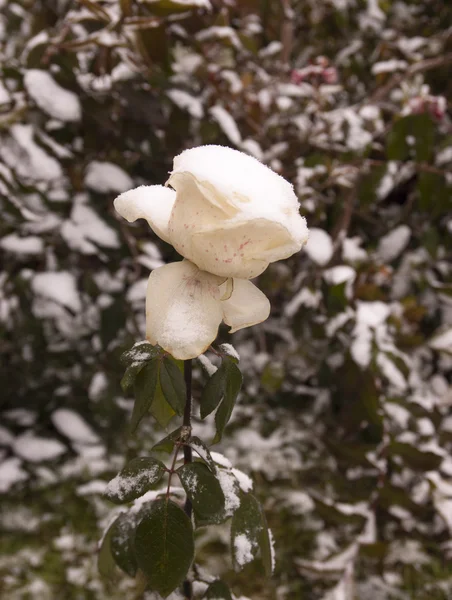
(221, 460)
(391, 372)
(305, 297)
(36, 449)
(29, 160)
(339, 274)
(96, 486)
(207, 365)
(229, 350)
(319, 247)
(186, 101)
(243, 550)
(394, 243)
(97, 386)
(388, 66)
(106, 177)
(230, 488)
(71, 425)
(58, 286)
(352, 251)
(226, 123)
(442, 341)
(22, 245)
(245, 482)
(11, 473)
(137, 292)
(53, 99)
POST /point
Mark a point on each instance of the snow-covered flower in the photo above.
(228, 213)
(229, 216)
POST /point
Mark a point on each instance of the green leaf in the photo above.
(130, 375)
(145, 387)
(249, 534)
(140, 352)
(421, 127)
(173, 385)
(121, 543)
(160, 409)
(217, 591)
(167, 444)
(203, 451)
(232, 389)
(203, 489)
(105, 562)
(213, 392)
(266, 546)
(164, 546)
(135, 479)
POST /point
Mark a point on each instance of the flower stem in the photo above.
(187, 587)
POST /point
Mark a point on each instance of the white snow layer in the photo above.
(11, 473)
(107, 177)
(70, 424)
(53, 99)
(36, 449)
(22, 245)
(226, 123)
(320, 246)
(186, 101)
(60, 287)
(393, 243)
(443, 341)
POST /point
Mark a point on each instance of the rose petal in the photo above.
(235, 217)
(183, 309)
(233, 180)
(247, 306)
(151, 202)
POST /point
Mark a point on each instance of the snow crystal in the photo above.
(70, 424)
(243, 550)
(106, 177)
(11, 473)
(226, 123)
(37, 449)
(221, 460)
(60, 287)
(245, 482)
(394, 243)
(53, 99)
(187, 102)
(22, 245)
(443, 341)
(320, 246)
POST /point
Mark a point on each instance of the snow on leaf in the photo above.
(53, 99)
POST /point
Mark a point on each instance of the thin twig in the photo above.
(187, 586)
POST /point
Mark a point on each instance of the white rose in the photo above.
(228, 213)
(229, 216)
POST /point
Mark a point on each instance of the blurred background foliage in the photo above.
(345, 422)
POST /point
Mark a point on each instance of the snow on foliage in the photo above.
(346, 395)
